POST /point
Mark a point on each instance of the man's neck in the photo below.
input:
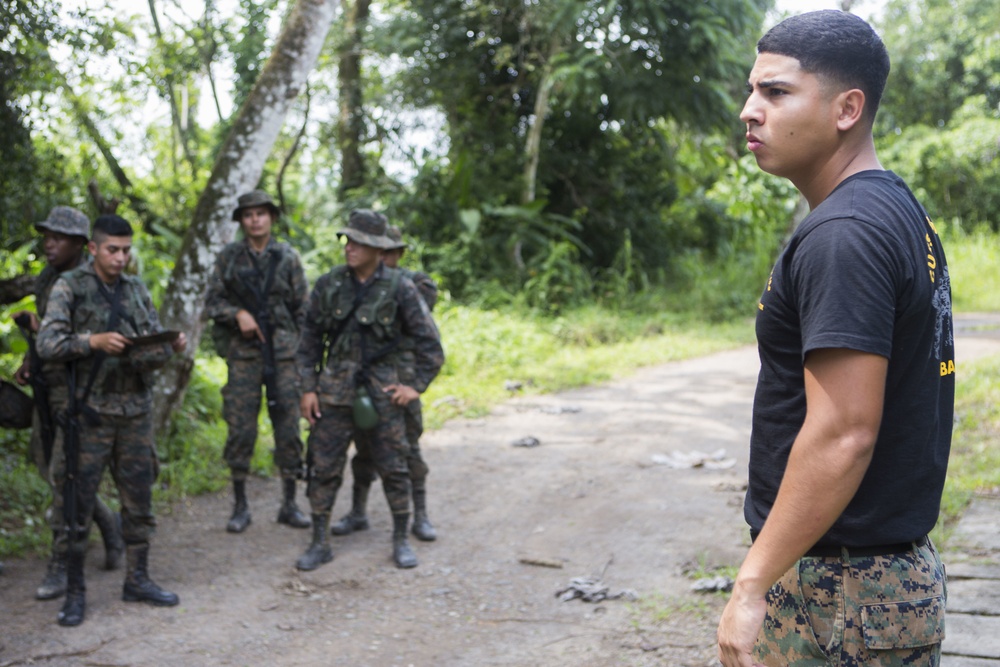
(364, 274)
(838, 169)
(257, 245)
(72, 264)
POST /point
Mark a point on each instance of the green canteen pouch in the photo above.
(363, 410)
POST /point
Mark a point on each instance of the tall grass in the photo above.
(974, 267)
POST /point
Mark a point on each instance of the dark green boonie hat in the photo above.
(395, 235)
(66, 220)
(367, 227)
(255, 198)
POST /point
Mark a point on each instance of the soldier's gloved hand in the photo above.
(402, 394)
(248, 325)
(110, 342)
(309, 407)
(33, 324)
(23, 374)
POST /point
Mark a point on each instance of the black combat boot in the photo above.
(356, 518)
(401, 551)
(54, 583)
(110, 525)
(240, 519)
(319, 550)
(290, 514)
(422, 528)
(138, 586)
(75, 604)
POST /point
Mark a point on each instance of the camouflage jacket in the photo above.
(239, 273)
(428, 290)
(76, 309)
(359, 328)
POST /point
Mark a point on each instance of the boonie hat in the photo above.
(66, 220)
(396, 236)
(367, 227)
(255, 198)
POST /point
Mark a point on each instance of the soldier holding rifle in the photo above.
(101, 322)
(65, 233)
(257, 298)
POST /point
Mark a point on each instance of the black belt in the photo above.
(835, 551)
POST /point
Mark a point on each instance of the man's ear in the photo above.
(92, 247)
(852, 108)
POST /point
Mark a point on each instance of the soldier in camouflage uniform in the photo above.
(257, 297)
(853, 414)
(359, 315)
(65, 232)
(361, 464)
(94, 314)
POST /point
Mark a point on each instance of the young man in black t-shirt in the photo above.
(854, 403)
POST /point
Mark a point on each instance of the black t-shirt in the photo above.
(864, 271)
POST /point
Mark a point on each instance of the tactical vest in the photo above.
(90, 311)
(374, 318)
(235, 279)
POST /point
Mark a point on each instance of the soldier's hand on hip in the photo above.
(248, 325)
(309, 407)
(110, 342)
(402, 394)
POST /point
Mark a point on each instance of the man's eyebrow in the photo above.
(775, 83)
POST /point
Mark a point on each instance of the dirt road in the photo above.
(590, 497)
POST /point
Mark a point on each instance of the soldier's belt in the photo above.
(836, 551)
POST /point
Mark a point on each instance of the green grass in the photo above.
(974, 465)
(973, 261)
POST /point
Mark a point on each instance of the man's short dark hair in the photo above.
(110, 225)
(836, 45)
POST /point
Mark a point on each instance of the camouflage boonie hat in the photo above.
(368, 228)
(66, 220)
(396, 236)
(255, 198)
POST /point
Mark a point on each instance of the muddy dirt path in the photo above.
(590, 497)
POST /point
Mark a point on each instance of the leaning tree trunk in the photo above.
(351, 125)
(237, 169)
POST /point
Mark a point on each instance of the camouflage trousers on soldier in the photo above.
(363, 466)
(241, 404)
(329, 440)
(54, 514)
(125, 445)
(878, 611)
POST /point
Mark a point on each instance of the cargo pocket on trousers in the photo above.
(901, 625)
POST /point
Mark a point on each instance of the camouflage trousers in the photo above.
(363, 466)
(54, 514)
(125, 446)
(241, 404)
(329, 440)
(878, 611)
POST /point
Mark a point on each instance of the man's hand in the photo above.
(248, 325)
(23, 374)
(741, 622)
(33, 324)
(180, 343)
(110, 342)
(309, 407)
(402, 394)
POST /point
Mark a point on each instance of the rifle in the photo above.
(261, 313)
(39, 387)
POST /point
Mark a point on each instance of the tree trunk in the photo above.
(351, 124)
(237, 169)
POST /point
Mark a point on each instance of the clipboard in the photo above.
(155, 339)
